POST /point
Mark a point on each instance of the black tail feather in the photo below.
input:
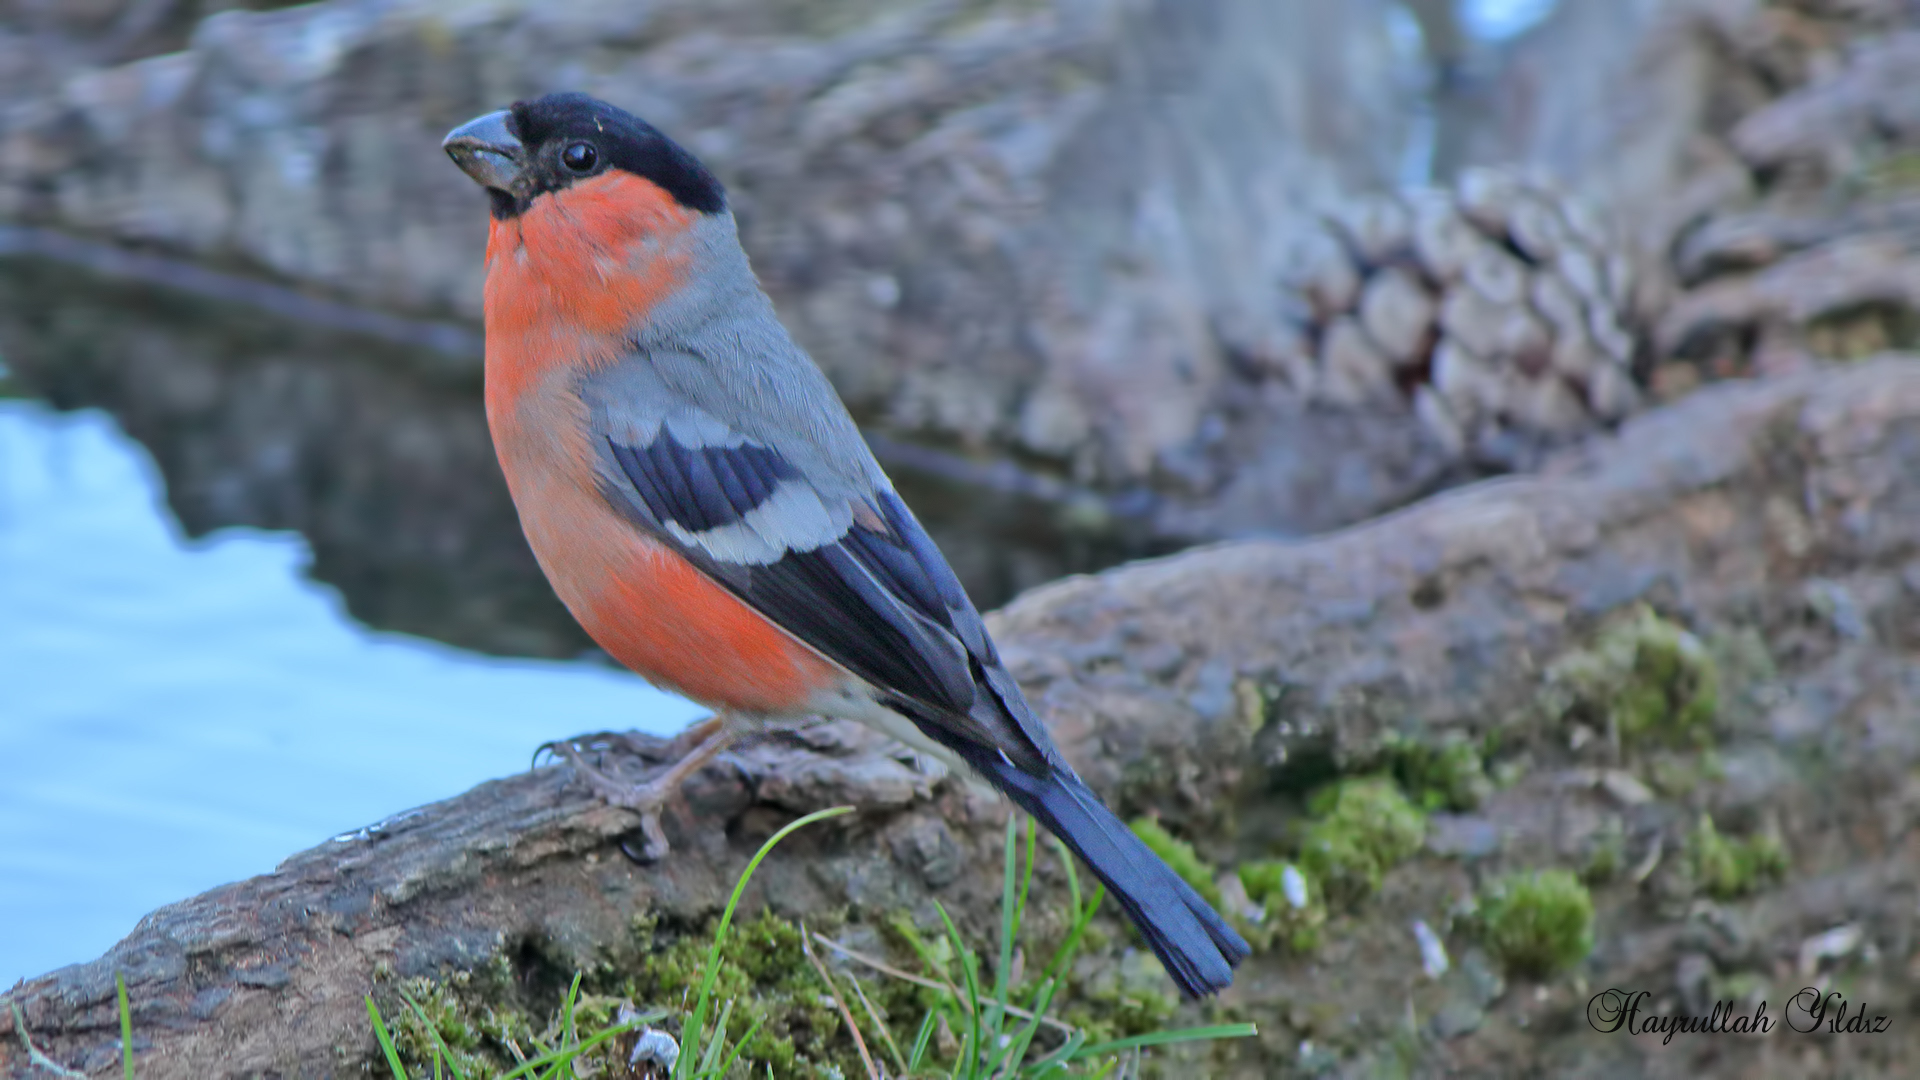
(1195, 945)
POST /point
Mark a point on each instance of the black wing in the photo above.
(877, 598)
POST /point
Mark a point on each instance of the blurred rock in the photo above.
(1847, 276)
(65, 33)
(1766, 155)
(1862, 97)
(1011, 228)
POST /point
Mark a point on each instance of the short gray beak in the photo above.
(485, 150)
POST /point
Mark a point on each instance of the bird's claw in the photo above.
(690, 750)
(646, 799)
(656, 847)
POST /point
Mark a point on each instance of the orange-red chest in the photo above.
(566, 280)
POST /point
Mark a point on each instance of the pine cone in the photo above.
(1498, 312)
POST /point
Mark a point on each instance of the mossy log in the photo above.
(1778, 522)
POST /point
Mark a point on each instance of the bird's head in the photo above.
(601, 224)
(550, 145)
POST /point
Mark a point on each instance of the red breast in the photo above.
(567, 280)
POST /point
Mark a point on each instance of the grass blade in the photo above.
(1059, 1058)
(563, 1055)
(739, 1045)
(946, 988)
(1009, 924)
(885, 968)
(924, 1039)
(691, 1035)
(1026, 877)
(1163, 1038)
(927, 961)
(570, 1033)
(1013, 913)
(879, 1024)
(963, 1065)
(846, 1014)
(126, 1023)
(526, 1068)
(1017, 1051)
(710, 1054)
(440, 1047)
(1064, 955)
(1073, 875)
(386, 1041)
(970, 1045)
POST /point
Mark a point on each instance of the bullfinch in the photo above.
(704, 505)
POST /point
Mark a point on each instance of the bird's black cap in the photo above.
(550, 143)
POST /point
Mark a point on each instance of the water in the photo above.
(377, 452)
(1499, 20)
(177, 714)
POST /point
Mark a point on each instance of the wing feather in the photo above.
(877, 597)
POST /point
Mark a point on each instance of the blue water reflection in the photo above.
(176, 715)
(1498, 20)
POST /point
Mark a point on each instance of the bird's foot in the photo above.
(688, 752)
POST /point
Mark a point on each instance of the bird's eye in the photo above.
(580, 157)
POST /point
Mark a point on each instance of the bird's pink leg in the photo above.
(695, 747)
(696, 735)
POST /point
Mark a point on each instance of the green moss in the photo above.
(480, 1017)
(1253, 704)
(1726, 869)
(1266, 879)
(1897, 171)
(935, 952)
(1537, 922)
(767, 977)
(1746, 988)
(464, 1012)
(1179, 855)
(1364, 826)
(1295, 910)
(1449, 776)
(1508, 774)
(1282, 923)
(1606, 853)
(1114, 999)
(1863, 330)
(1643, 677)
(763, 973)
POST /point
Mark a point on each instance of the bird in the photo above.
(701, 500)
